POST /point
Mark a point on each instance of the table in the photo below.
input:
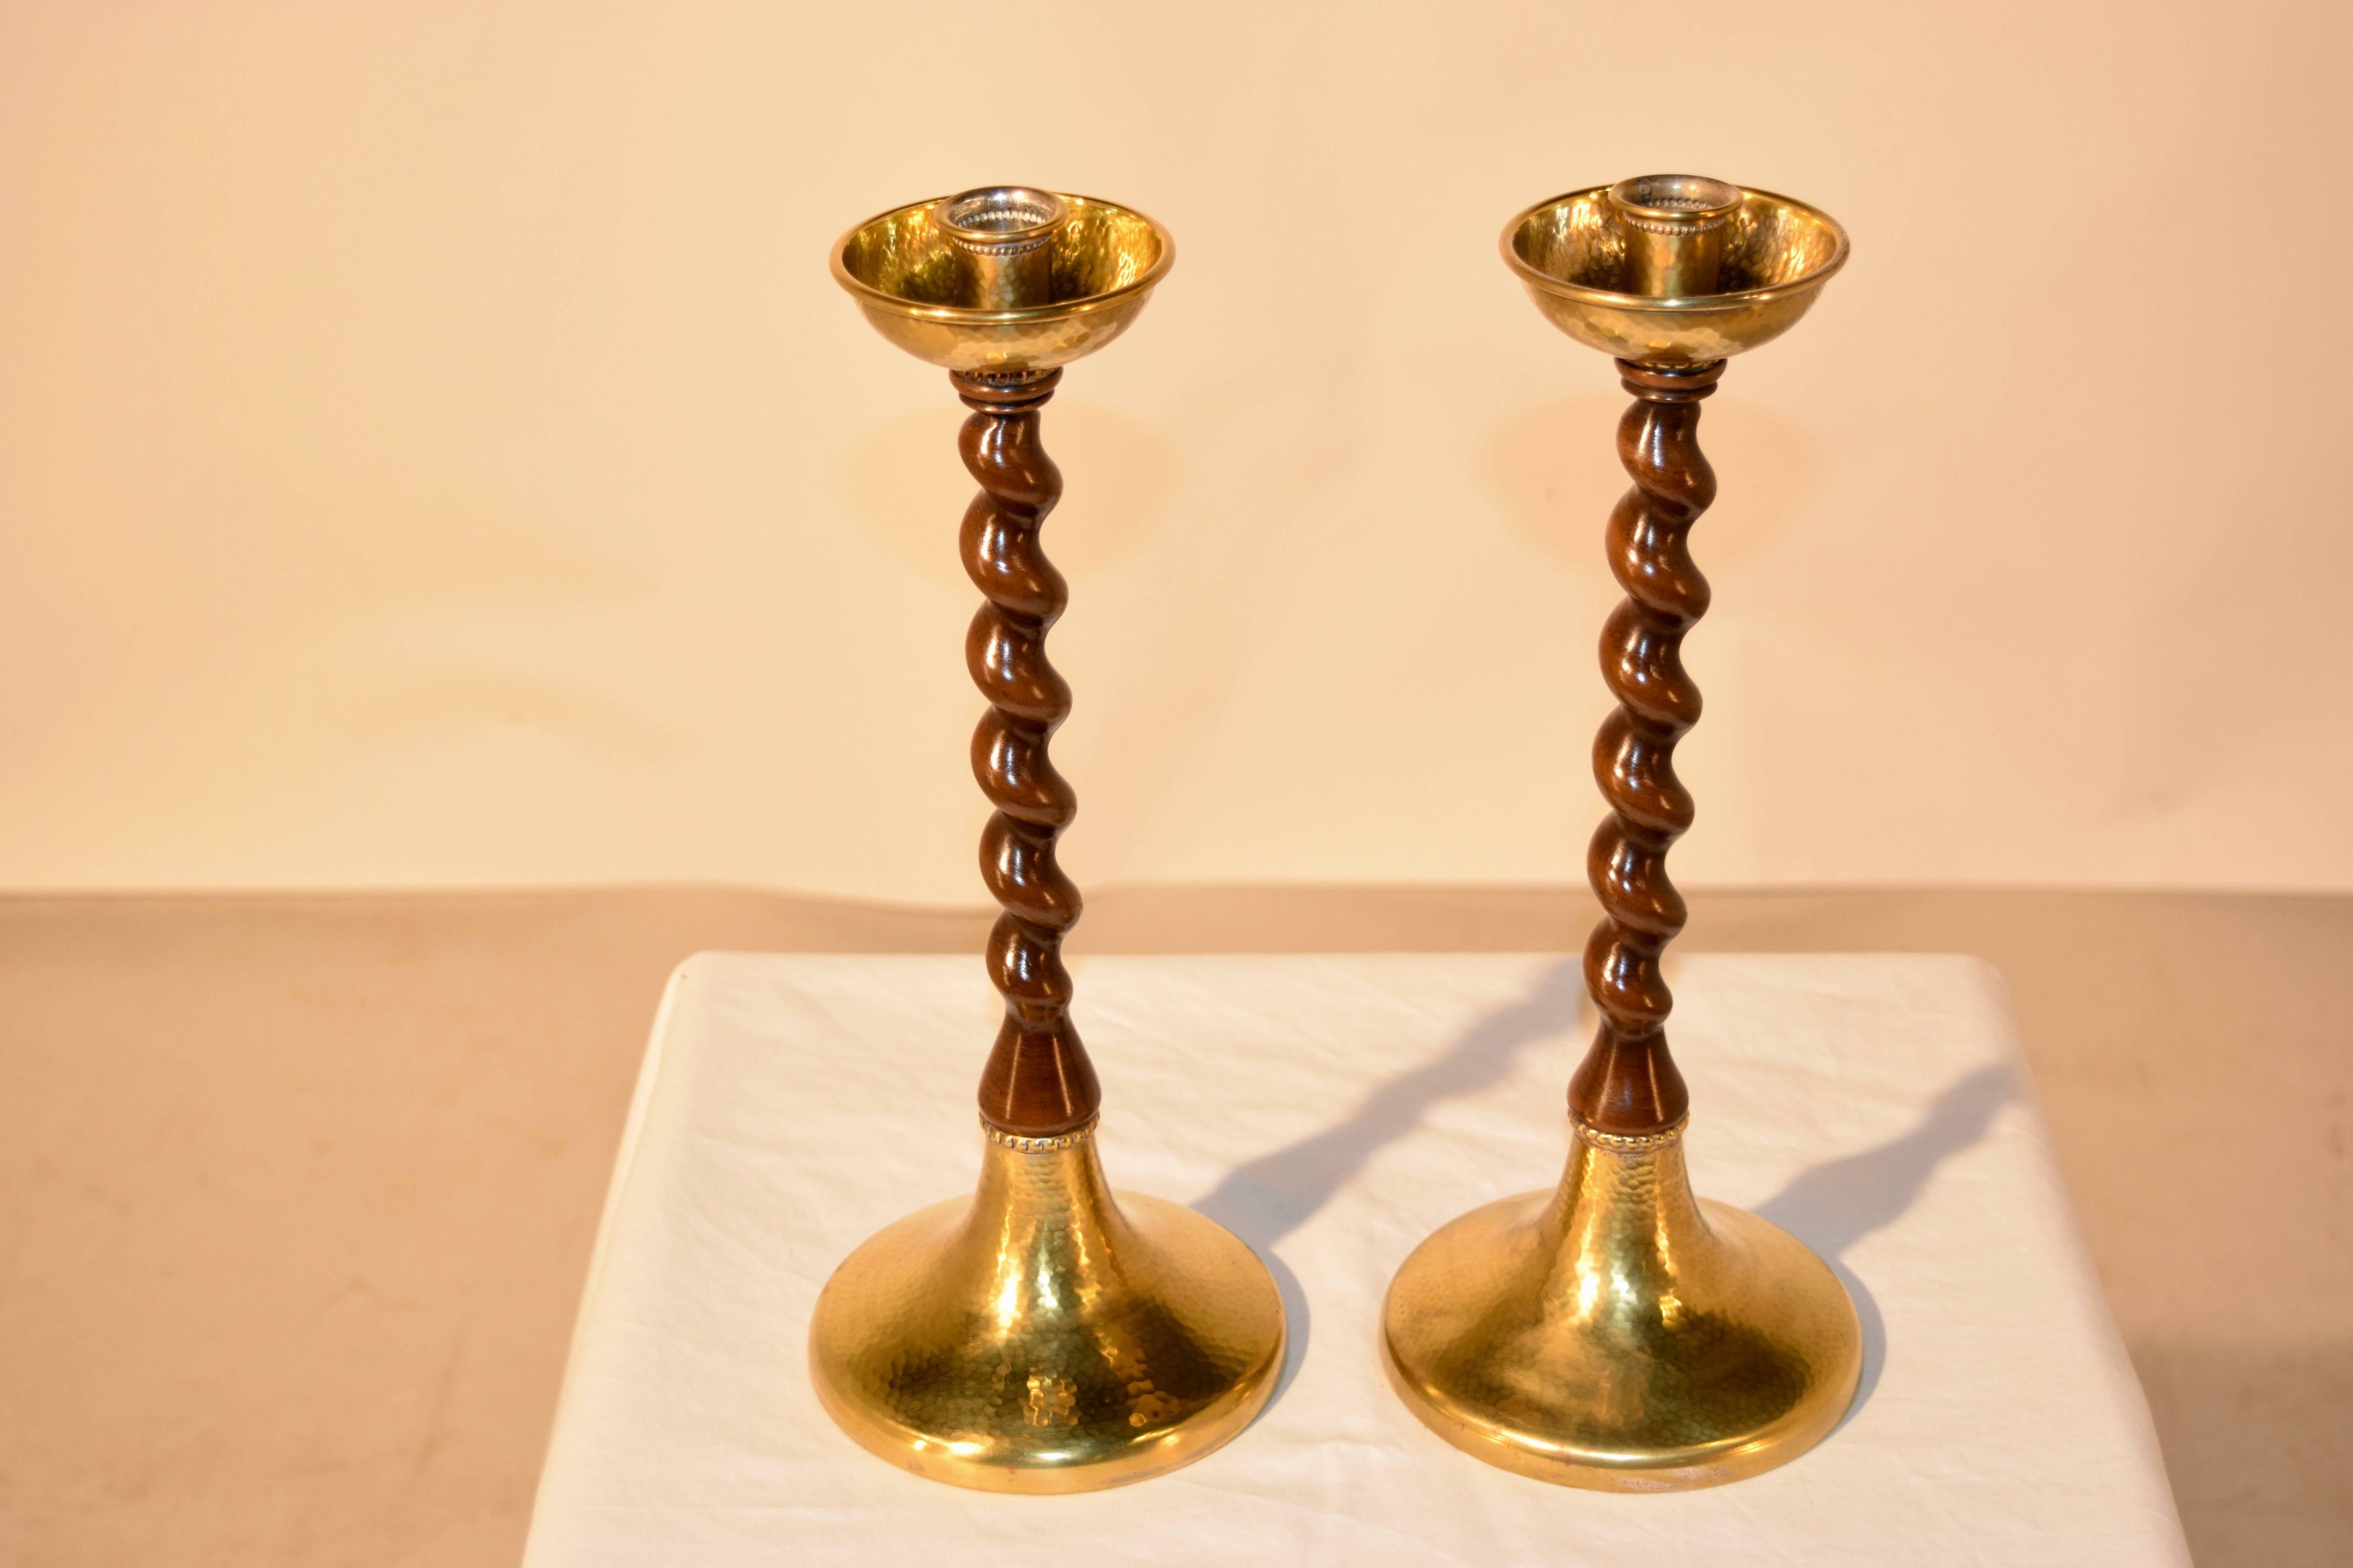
(1333, 1111)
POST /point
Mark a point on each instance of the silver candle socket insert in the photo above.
(1004, 236)
(1675, 228)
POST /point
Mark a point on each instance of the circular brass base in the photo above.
(1042, 1337)
(1613, 1333)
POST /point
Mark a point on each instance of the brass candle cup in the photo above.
(1616, 1332)
(1045, 1334)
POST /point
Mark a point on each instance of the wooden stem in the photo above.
(1628, 1082)
(1037, 1082)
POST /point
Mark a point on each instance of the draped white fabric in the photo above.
(1333, 1111)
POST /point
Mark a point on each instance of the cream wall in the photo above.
(431, 450)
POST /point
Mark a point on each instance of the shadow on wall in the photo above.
(1555, 467)
(907, 487)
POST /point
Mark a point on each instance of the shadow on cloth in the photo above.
(1265, 1199)
(1828, 1206)
(1832, 1206)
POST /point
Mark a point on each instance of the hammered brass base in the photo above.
(1615, 1333)
(1043, 1337)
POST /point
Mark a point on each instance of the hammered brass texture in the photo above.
(1571, 255)
(1043, 1336)
(1616, 1334)
(918, 289)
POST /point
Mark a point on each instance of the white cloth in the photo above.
(1334, 1110)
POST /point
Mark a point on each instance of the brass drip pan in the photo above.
(1778, 254)
(911, 276)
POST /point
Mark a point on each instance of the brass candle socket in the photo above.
(1673, 226)
(1044, 1335)
(1004, 236)
(1615, 1333)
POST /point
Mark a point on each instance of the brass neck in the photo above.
(1624, 1215)
(1043, 1225)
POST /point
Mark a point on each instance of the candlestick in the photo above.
(1043, 1335)
(1616, 1332)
